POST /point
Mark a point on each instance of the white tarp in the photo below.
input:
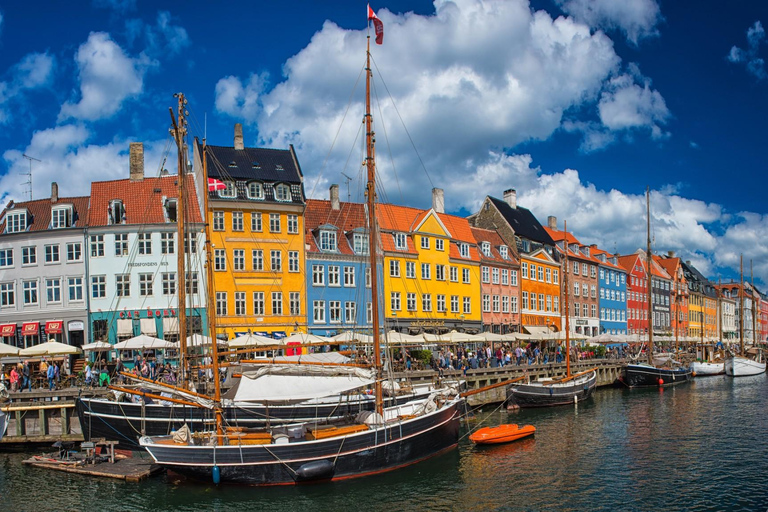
(142, 341)
(281, 384)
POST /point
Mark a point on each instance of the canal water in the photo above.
(697, 446)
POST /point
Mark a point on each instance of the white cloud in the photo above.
(33, 71)
(755, 65)
(238, 100)
(108, 77)
(636, 19)
(160, 40)
(626, 105)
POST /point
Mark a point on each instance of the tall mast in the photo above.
(677, 306)
(754, 305)
(371, 199)
(567, 305)
(741, 306)
(180, 132)
(719, 313)
(211, 300)
(650, 274)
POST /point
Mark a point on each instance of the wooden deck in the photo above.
(132, 469)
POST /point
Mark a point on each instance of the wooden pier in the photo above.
(130, 469)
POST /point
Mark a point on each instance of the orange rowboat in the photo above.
(501, 434)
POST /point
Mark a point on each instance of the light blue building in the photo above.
(612, 281)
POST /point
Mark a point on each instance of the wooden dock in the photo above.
(130, 469)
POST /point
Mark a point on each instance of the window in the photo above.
(584, 269)
(257, 259)
(454, 303)
(464, 250)
(394, 268)
(533, 272)
(367, 277)
(361, 243)
(593, 291)
(467, 305)
(238, 259)
(541, 273)
(116, 212)
(514, 303)
(145, 243)
(6, 258)
(524, 269)
(53, 290)
(170, 210)
(486, 248)
(16, 222)
(495, 276)
(7, 295)
(454, 273)
(349, 276)
(400, 241)
(29, 289)
(525, 301)
(426, 271)
(169, 283)
(426, 302)
(318, 276)
(229, 190)
(505, 304)
(533, 301)
(256, 226)
(576, 309)
(425, 242)
(98, 287)
(334, 311)
(276, 261)
(293, 224)
(576, 268)
(52, 254)
(555, 276)
(220, 260)
(465, 275)
(334, 278)
(585, 310)
(61, 217)
(439, 244)
(549, 303)
(556, 304)
(592, 271)
(293, 261)
(121, 244)
(240, 303)
(410, 302)
(504, 276)
(576, 289)
(513, 277)
(123, 284)
(328, 240)
(504, 252)
(274, 223)
(495, 303)
(190, 243)
(441, 303)
(255, 190)
(594, 310)
(277, 303)
(97, 246)
(318, 311)
(221, 303)
(486, 274)
(486, 303)
(145, 285)
(410, 269)
(350, 312)
(258, 303)
(167, 243)
(294, 303)
(237, 225)
(602, 275)
(282, 193)
(440, 272)
(394, 301)
(585, 290)
(549, 275)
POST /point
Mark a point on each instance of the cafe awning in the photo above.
(170, 326)
(125, 327)
(148, 327)
(30, 329)
(538, 332)
(8, 330)
(54, 327)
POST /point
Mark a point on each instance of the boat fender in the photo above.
(216, 473)
(661, 381)
(316, 470)
(575, 399)
(693, 374)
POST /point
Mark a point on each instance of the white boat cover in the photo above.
(283, 384)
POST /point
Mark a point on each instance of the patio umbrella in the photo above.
(8, 350)
(349, 336)
(50, 348)
(142, 341)
(198, 340)
(302, 337)
(398, 338)
(97, 346)
(252, 340)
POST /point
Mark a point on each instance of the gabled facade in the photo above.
(637, 293)
(257, 233)
(132, 256)
(703, 321)
(746, 306)
(678, 296)
(727, 317)
(338, 266)
(431, 270)
(42, 271)
(612, 283)
(499, 283)
(661, 288)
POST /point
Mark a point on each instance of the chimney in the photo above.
(137, 161)
(239, 136)
(510, 197)
(552, 222)
(671, 254)
(335, 204)
(438, 200)
(54, 192)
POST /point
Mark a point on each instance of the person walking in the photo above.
(51, 374)
(26, 381)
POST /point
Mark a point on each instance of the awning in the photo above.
(53, 327)
(30, 329)
(148, 326)
(8, 330)
(125, 327)
(538, 331)
(170, 326)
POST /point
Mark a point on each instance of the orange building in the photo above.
(678, 294)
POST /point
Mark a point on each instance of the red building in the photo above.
(498, 283)
(637, 293)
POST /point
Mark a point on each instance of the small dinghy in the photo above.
(501, 434)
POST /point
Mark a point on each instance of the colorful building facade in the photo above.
(499, 283)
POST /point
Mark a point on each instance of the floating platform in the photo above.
(130, 469)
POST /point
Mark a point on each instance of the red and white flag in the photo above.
(378, 26)
(214, 184)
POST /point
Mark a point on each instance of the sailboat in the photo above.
(742, 366)
(570, 389)
(378, 441)
(648, 374)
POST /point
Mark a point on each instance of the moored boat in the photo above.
(646, 375)
(501, 434)
(3, 423)
(737, 366)
(706, 368)
(551, 392)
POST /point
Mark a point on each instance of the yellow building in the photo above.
(256, 214)
(431, 270)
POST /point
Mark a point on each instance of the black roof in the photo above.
(523, 222)
(261, 164)
(703, 285)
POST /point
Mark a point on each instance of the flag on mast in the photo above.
(378, 26)
(214, 184)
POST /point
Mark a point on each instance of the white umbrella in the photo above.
(50, 348)
(492, 336)
(252, 340)
(198, 340)
(453, 337)
(349, 336)
(142, 341)
(97, 346)
(8, 350)
(301, 337)
(398, 338)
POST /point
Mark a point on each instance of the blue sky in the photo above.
(578, 104)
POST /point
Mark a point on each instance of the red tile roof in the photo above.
(559, 236)
(142, 200)
(493, 238)
(348, 217)
(39, 210)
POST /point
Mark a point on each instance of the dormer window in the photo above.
(170, 210)
(585, 250)
(279, 167)
(400, 241)
(229, 190)
(255, 165)
(282, 192)
(116, 212)
(16, 222)
(464, 250)
(255, 190)
(360, 242)
(486, 248)
(328, 240)
(504, 251)
(61, 217)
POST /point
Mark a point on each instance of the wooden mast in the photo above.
(180, 131)
(567, 304)
(650, 274)
(741, 306)
(754, 305)
(372, 239)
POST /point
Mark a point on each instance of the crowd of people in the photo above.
(49, 373)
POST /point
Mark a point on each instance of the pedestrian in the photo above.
(14, 378)
(26, 381)
(51, 374)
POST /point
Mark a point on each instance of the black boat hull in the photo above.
(545, 395)
(635, 376)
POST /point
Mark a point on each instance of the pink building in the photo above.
(498, 283)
